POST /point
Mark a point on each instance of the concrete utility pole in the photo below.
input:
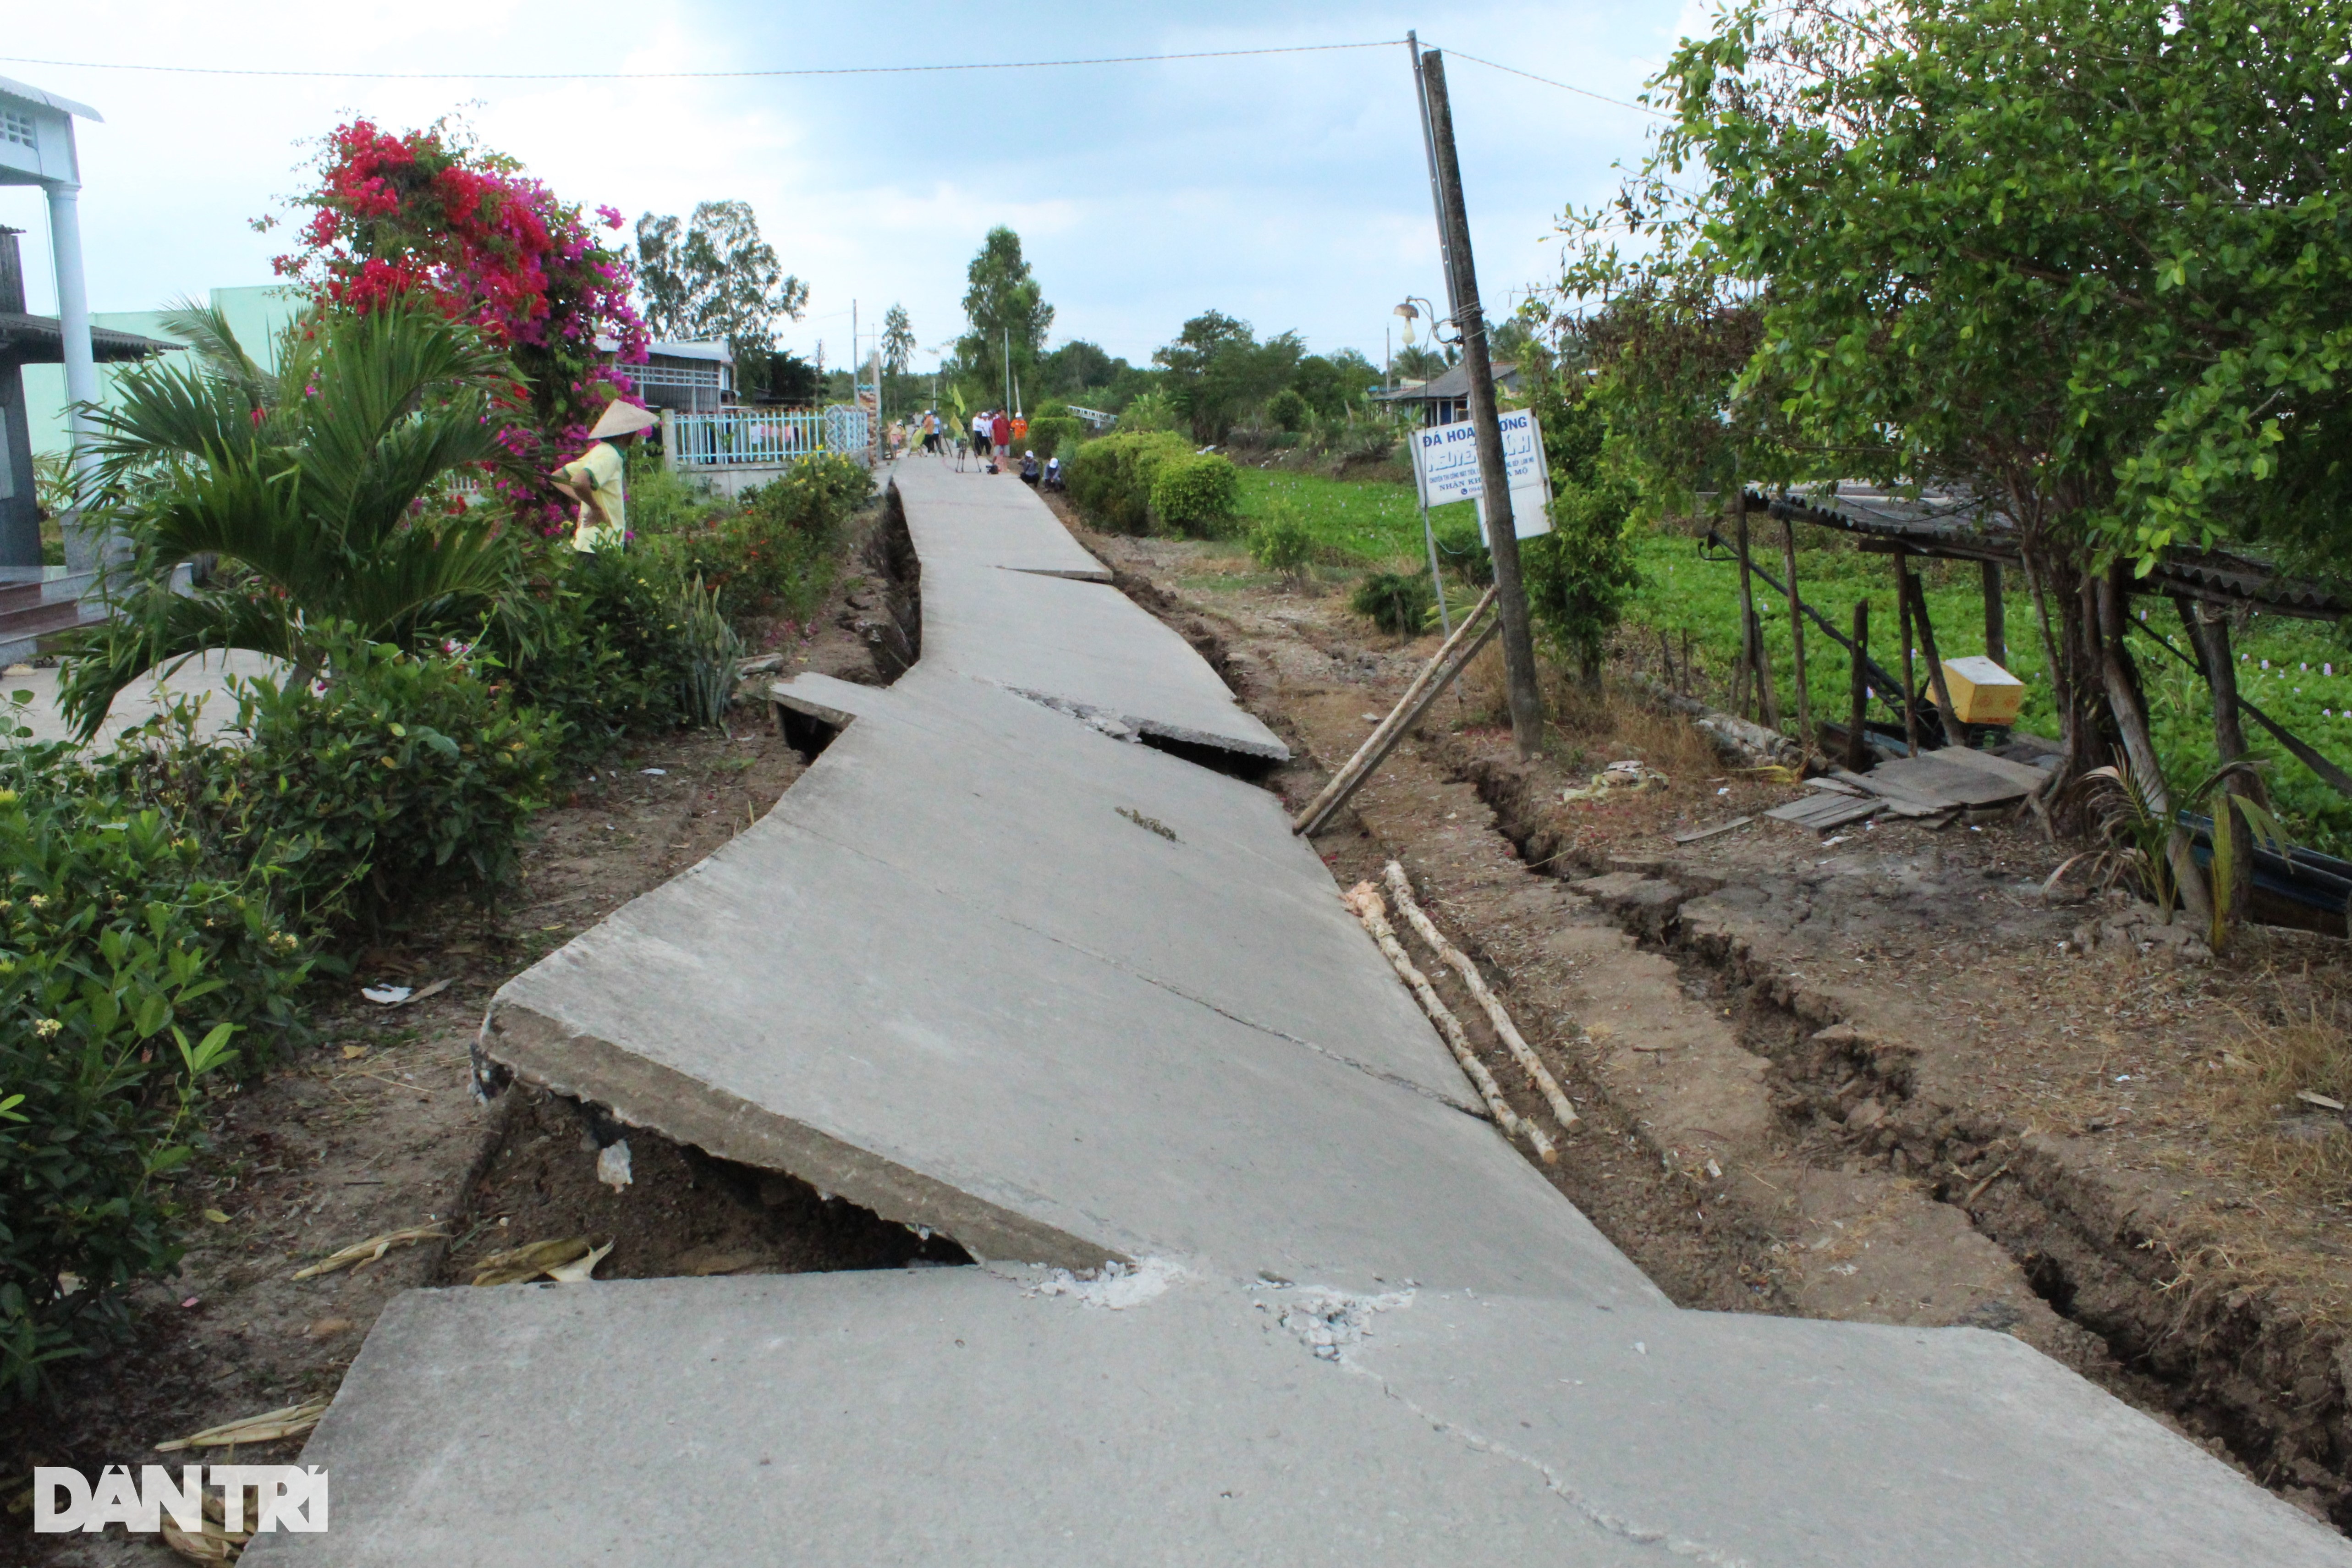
(1493, 477)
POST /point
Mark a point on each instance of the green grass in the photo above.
(1680, 592)
(1359, 522)
(2307, 686)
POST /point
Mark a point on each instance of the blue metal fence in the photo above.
(760, 437)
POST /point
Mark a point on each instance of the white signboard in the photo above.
(1446, 464)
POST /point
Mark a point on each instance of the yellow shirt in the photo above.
(601, 468)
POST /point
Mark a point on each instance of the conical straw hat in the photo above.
(623, 420)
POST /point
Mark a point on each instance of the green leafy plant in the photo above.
(1055, 435)
(1288, 410)
(1398, 604)
(591, 641)
(1462, 551)
(1110, 479)
(1195, 494)
(712, 649)
(130, 958)
(1282, 543)
(314, 490)
(401, 778)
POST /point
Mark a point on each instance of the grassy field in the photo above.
(2289, 666)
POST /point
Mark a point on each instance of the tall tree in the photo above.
(714, 276)
(897, 340)
(1007, 312)
(2092, 258)
(1218, 371)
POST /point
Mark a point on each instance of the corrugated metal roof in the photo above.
(67, 105)
(37, 339)
(1967, 527)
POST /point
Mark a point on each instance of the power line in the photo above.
(1580, 91)
(803, 71)
(691, 76)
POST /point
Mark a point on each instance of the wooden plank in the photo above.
(1889, 785)
(2024, 776)
(1696, 836)
(1832, 787)
(1932, 777)
(1824, 810)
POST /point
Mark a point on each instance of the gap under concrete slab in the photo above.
(948, 980)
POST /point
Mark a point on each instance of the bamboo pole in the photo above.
(1953, 734)
(1910, 688)
(1857, 749)
(1996, 617)
(1540, 1076)
(1409, 707)
(1797, 637)
(1364, 900)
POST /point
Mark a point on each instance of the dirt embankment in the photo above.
(1870, 1077)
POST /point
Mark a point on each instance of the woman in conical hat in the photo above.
(595, 478)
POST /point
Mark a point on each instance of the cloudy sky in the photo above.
(1287, 189)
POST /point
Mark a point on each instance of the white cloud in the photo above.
(1288, 189)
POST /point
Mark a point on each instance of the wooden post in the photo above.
(1768, 701)
(1903, 617)
(2110, 596)
(1797, 637)
(2209, 633)
(1857, 751)
(1954, 734)
(1996, 617)
(1493, 477)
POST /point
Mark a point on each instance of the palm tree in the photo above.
(310, 484)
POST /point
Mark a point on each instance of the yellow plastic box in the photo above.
(1983, 692)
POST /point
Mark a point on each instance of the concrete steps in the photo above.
(34, 610)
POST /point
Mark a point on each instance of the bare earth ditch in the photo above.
(1872, 1078)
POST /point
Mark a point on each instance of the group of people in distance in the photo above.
(993, 432)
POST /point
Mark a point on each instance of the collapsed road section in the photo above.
(991, 968)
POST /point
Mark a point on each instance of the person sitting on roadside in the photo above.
(1029, 471)
(597, 477)
(1053, 473)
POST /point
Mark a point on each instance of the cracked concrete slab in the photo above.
(957, 1414)
(946, 979)
(1086, 645)
(977, 519)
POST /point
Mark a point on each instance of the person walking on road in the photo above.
(999, 434)
(981, 429)
(597, 477)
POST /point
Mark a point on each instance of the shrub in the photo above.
(1195, 494)
(401, 778)
(1462, 551)
(1288, 410)
(128, 964)
(591, 642)
(1282, 543)
(1054, 434)
(1400, 605)
(1147, 412)
(712, 649)
(772, 552)
(1110, 479)
(1579, 575)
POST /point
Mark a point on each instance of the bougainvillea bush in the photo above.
(435, 215)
